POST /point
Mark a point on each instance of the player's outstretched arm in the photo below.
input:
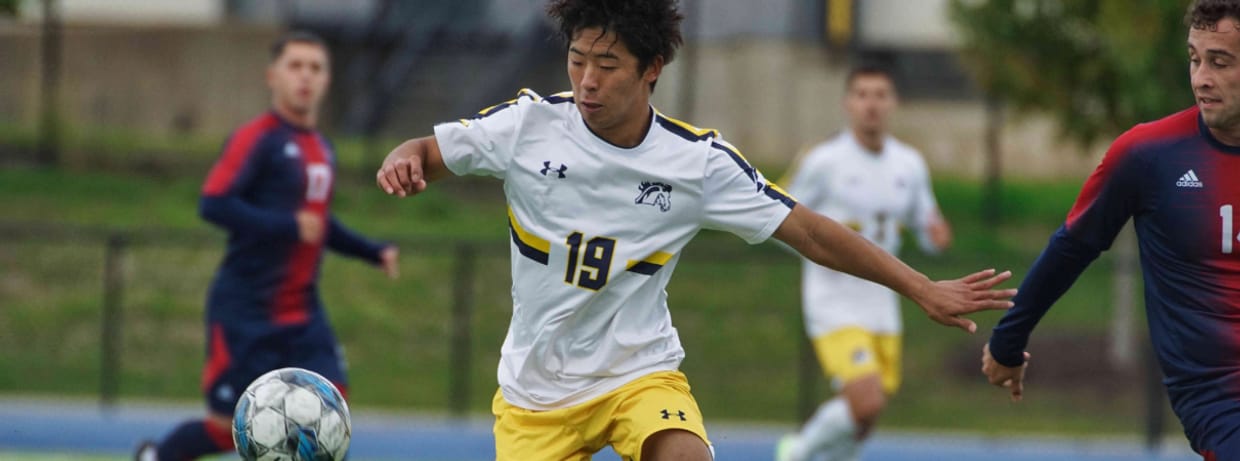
(409, 166)
(830, 244)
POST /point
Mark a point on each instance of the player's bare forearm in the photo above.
(832, 245)
(410, 166)
(835, 246)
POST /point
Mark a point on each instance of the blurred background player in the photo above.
(604, 192)
(271, 190)
(1176, 177)
(869, 181)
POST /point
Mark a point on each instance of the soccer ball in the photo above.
(291, 414)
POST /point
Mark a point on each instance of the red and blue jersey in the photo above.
(1180, 185)
(270, 170)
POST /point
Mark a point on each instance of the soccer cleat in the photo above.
(146, 451)
(783, 449)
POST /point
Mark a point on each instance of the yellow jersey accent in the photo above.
(526, 237)
(659, 257)
(779, 189)
(699, 132)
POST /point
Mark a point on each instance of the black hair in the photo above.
(295, 36)
(1205, 14)
(648, 28)
(866, 70)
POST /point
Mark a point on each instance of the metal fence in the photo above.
(117, 314)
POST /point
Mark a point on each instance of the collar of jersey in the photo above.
(647, 139)
(887, 140)
(288, 124)
(1205, 133)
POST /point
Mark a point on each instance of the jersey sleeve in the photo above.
(484, 144)
(925, 208)
(237, 169)
(738, 199)
(345, 241)
(1111, 195)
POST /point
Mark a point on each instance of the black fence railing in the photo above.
(430, 340)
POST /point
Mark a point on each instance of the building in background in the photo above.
(768, 74)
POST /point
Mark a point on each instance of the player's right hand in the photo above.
(1012, 378)
(401, 174)
(310, 226)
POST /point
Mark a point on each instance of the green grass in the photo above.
(736, 307)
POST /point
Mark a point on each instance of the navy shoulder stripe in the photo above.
(524, 93)
(559, 98)
(684, 130)
(740, 161)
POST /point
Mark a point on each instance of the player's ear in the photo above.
(270, 76)
(653, 70)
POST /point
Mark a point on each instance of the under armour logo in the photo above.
(547, 169)
(668, 414)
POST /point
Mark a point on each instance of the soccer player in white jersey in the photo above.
(867, 180)
(603, 193)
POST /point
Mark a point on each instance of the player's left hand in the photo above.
(389, 259)
(1012, 378)
(947, 301)
(940, 232)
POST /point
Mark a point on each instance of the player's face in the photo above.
(869, 101)
(299, 78)
(611, 93)
(1214, 69)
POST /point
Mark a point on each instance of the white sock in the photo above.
(831, 429)
(848, 449)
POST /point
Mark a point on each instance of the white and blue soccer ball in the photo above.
(291, 414)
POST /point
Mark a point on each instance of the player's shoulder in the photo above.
(684, 131)
(906, 153)
(1180, 125)
(263, 123)
(830, 150)
(255, 131)
(527, 99)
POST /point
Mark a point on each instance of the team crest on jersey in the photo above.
(291, 150)
(655, 194)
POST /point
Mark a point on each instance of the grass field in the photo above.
(736, 306)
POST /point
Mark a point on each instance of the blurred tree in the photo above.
(1099, 67)
(8, 7)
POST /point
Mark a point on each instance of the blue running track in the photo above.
(28, 425)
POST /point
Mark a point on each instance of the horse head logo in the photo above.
(655, 194)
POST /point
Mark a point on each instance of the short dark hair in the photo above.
(294, 36)
(649, 28)
(868, 70)
(1205, 14)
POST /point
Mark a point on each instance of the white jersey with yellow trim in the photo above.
(878, 195)
(596, 232)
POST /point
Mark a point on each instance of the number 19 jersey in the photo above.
(596, 232)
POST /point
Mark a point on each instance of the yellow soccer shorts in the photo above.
(622, 418)
(852, 352)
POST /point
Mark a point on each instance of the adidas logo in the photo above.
(1190, 180)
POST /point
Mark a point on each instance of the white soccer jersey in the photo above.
(596, 233)
(877, 195)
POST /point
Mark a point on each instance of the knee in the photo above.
(866, 401)
(675, 444)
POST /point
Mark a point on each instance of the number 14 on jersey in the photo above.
(1229, 236)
